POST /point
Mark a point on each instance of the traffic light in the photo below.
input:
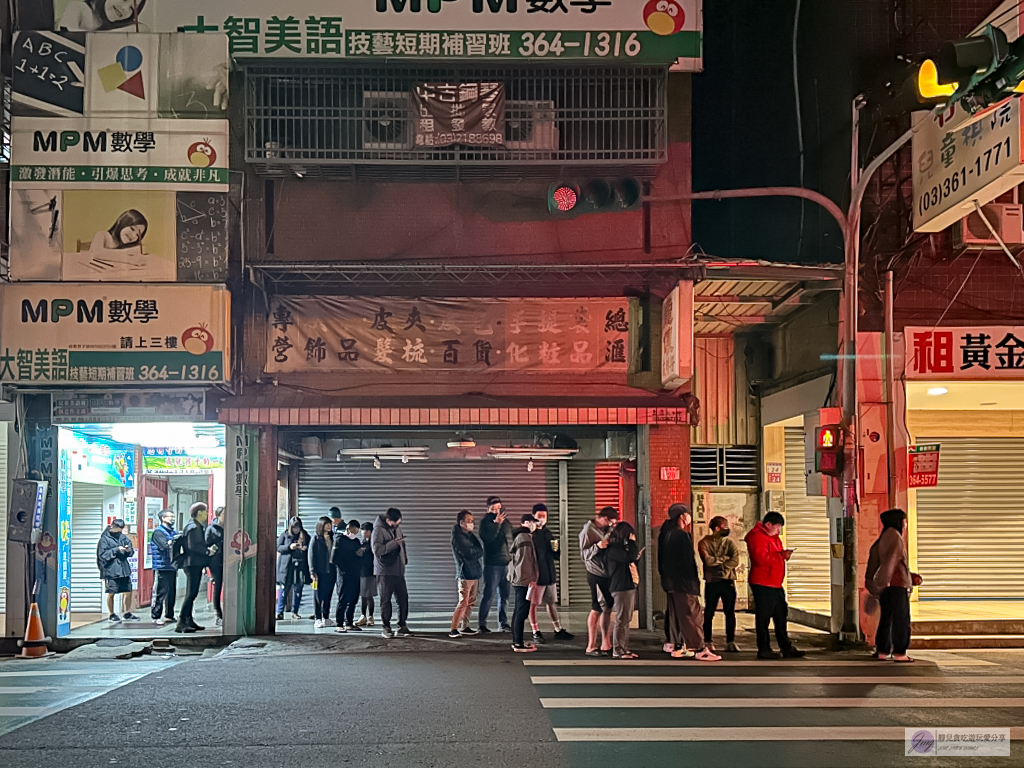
(570, 198)
(976, 71)
(829, 447)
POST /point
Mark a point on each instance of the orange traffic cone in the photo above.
(34, 644)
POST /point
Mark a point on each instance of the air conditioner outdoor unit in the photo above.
(1006, 218)
(530, 126)
(387, 120)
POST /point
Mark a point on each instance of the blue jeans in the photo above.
(282, 593)
(494, 580)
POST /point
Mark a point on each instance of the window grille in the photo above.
(733, 466)
(345, 120)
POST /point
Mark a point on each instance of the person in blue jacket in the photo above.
(160, 543)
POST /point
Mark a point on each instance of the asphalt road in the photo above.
(311, 706)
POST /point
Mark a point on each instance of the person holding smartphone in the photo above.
(768, 560)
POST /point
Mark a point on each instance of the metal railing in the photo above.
(320, 120)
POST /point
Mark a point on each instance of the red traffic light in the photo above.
(563, 198)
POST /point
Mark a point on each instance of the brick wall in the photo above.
(669, 447)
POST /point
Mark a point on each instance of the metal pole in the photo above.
(890, 390)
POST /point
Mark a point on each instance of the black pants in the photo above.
(520, 614)
(348, 596)
(388, 587)
(217, 577)
(725, 591)
(163, 602)
(323, 595)
(194, 576)
(770, 606)
(893, 633)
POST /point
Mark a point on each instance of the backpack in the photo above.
(179, 550)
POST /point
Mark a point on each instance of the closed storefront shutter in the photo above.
(970, 528)
(3, 517)
(807, 573)
(87, 523)
(592, 485)
(430, 495)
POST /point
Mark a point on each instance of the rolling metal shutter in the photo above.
(3, 517)
(808, 579)
(592, 485)
(86, 527)
(430, 495)
(970, 528)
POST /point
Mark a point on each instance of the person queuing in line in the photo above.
(593, 543)
(496, 534)
(545, 591)
(292, 566)
(768, 561)
(721, 558)
(389, 561)
(623, 576)
(889, 580)
(337, 521)
(522, 572)
(112, 553)
(195, 556)
(323, 572)
(367, 581)
(215, 543)
(161, 541)
(350, 566)
(677, 566)
(468, 551)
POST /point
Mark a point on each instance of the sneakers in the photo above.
(563, 635)
(506, 627)
(160, 622)
(386, 633)
(523, 648)
(467, 631)
(296, 616)
(330, 623)
(369, 622)
(114, 618)
(318, 624)
(484, 631)
(682, 653)
(732, 648)
(196, 627)
(404, 631)
(131, 617)
(362, 622)
(769, 655)
(454, 634)
(341, 630)
(352, 628)
(708, 655)
(793, 653)
(668, 647)
(184, 630)
(280, 617)
(538, 638)
(220, 622)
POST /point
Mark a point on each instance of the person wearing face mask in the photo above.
(889, 580)
(721, 558)
(545, 591)
(468, 551)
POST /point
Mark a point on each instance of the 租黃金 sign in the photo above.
(119, 199)
(664, 31)
(472, 114)
(309, 334)
(923, 471)
(98, 333)
(965, 352)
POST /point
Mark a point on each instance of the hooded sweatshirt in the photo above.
(593, 556)
(389, 557)
(522, 569)
(767, 565)
(113, 564)
(887, 563)
(721, 557)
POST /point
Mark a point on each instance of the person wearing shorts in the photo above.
(593, 543)
(367, 581)
(112, 553)
(545, 591)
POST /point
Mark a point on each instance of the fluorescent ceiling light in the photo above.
(462, 441)
(388, 452)
(533, 454)
(937, 391)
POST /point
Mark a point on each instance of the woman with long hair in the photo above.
(623, 554)
(324, 574)
(126, 233)
(292, 566)
(101, 15)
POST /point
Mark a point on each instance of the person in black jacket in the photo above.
(468, 551)
(349, 563)
(622, 555)
(545, 591)
(367, 581)
(324, 576)
(195, 557)
(496, 533)
(112, 553)
(215, 543)
(292, 566)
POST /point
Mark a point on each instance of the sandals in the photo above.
(626, 655)
(902, 659)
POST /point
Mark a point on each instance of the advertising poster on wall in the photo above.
(181, 461)
(100, 462)
(125, 407)
(64, 543)
(119, 200)
(664, 31)
(68, 74)
(92, 333)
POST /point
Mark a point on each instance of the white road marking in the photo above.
(724, 663)
(752, 703)
(775, 680)
(732, 734)
(25, 711)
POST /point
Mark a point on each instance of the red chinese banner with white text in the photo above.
(340, 334)
(965, 352)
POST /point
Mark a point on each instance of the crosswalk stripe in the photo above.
(752, 703)
(724, 663)
(775, 733)
(776, 680)
(24, 711)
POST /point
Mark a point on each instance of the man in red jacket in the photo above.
(767, 570)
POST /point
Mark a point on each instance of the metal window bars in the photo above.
(345, 121)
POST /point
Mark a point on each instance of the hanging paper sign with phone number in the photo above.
(924, 466)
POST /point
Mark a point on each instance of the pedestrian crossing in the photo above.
(817, 711)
